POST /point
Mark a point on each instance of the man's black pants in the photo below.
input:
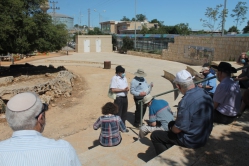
(138, 111)
(163, 140)
(122, 103)
(223, 119)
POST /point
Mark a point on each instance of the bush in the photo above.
(128, 44)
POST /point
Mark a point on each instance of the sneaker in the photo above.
(126, 131)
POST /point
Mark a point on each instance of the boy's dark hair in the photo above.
(109, 108)
(120, 69)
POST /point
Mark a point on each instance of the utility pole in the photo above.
(135, 25)
(99, 16)
(223, 18)
(79, 22)
(88, 18)
(54, 8)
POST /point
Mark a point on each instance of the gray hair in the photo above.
(185, 85)
(24, 120)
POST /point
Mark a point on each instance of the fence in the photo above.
(153, 43)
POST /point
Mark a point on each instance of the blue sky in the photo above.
(172, 12)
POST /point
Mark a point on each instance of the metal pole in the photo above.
(141, 113)
(223, 18)
(135, 25)
(99, 19)
(88, 18)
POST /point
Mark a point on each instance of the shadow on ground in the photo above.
(149, 153)
(28, 69)
(227, 145)
(95, 143)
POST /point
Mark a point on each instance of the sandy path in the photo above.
(78, 112)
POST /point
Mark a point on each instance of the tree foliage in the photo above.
(239, 12)
(125, 19)
(140, 17)
(160, 23)
(214, 16)
(128, 44)
(181, 29)
(246, 28)
(25, 28)
(233, 29)
(81, 27)
(95, 31)
(144, 30)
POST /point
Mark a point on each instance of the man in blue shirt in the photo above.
(139, 89)
(210, 69)
(194, 121)
(25, 114)
(160, 115)
(209, 85)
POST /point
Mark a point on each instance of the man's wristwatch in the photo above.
(204, 86)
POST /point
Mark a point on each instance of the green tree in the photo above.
(25, 28)
(128, 44)
(182, 29)
(214, 16)
(233, 29)
(160, 23)
(125, 19)
(114, 41)
(95, 31)
(140, 17)
(144, 30)
(239, 12)
(246, 28)
(152, 30)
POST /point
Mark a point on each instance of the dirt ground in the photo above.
(71, 115)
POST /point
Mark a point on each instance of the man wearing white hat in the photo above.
(25, 114)
(194, 121)
(139, 89)
(160, 115)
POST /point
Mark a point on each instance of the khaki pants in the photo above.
(145, 129)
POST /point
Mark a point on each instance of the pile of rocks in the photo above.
(48, 86)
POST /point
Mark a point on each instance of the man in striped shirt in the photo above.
(25, 114)
(160, 115)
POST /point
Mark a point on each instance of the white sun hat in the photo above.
(147, 98)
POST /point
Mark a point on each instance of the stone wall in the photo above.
(224, 48)
(191, 49)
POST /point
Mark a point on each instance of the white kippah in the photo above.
(21, 102)
(183, 76)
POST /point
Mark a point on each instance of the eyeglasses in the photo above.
(44, 108)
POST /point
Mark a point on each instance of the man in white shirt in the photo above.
(25, 114)
(119, 86)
